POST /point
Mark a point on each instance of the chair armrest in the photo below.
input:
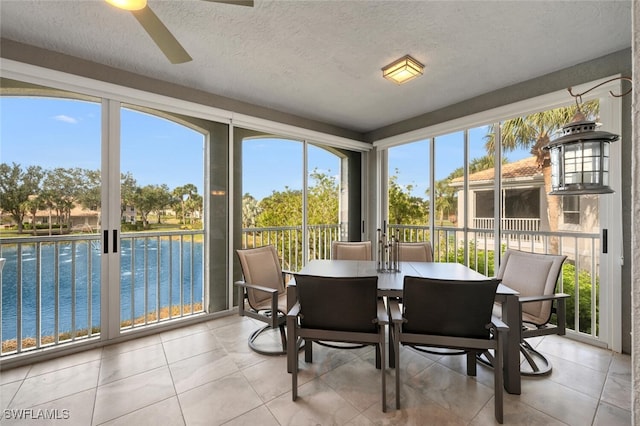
(294, 311)
(255, 287)
(394, 309)
(527, 299)
(499, 324)
(383, 317)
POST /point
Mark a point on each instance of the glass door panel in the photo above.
(272, 184)
(534, 221)
(51, 210)
(162, 235)
(327, 201)
(408, 191)
(448, 166)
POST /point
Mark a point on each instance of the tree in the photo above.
(194, 207)
(128, 187)
(16, 186)
(34, 204)
(150, 198)
(250, 210)
(534, 132)
(182, 194)
(323, 199)
(63, 185)
(281, 208)
(404, 208)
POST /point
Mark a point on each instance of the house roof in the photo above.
(527, 167)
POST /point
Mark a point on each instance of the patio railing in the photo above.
(50, 288)
(474, 247)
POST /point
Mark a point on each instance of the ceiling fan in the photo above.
(160, 34)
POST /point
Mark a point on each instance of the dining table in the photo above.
(390, 284)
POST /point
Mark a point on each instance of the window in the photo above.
(571, 209)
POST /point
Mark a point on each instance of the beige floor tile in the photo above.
(259, 416)
(270, 378)
(130, 363)
(317, 404)
(131, 345)
(416, 409)
(65, 361)
(558, 401)
(166, 413)
(608, 415)
(575, 376)
(590, 356)
(15, 374)
(361, 420)
(617, 391)
(453, 391)
(132, 393)
(190, 345)
(184, 331)
(219, 401)
(74, 409)
(56, 384)
(212, 377)
(7, 392)
(359, 382)
(200, 369)
(515, 413)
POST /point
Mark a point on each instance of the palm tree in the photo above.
(534, 131)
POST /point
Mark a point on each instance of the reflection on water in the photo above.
(168, 277)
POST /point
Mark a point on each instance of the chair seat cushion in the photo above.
(528, 276)
(266, 304)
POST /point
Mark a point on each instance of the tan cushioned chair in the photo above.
(415, 252)
(265, 293)
(343, 250)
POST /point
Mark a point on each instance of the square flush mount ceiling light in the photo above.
(403, 70)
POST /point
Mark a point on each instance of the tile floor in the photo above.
(205, 374)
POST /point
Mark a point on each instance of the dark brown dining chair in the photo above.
(450, 314)
(326, 310)
(535, 277)
(348, 250)
(415, 252)
(265, 294)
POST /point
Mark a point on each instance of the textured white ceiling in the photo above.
(322, 59)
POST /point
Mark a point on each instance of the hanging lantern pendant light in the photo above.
(580, 159)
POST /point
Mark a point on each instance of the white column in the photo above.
(635, 205)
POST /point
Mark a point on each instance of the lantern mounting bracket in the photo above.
(579, 96)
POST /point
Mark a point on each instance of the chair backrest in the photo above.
(338, 304)
(532, 274)
(260, 266)
(344, 250)
(415, 252)
(448, 307)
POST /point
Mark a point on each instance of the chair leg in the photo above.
(294, 376)
(283, 337)
(498, 379)
(308, 351)
(256, 349)
(396, 347)
(380, 349)
(471, 363)
(540, 365)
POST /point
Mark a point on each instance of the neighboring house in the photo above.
(524, 202)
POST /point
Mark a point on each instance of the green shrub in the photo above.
(584, 297)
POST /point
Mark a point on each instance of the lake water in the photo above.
(164, 267)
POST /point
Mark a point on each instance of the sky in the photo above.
(67, 133)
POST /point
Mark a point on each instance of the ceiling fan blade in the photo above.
(236, 2)
(161, 36)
